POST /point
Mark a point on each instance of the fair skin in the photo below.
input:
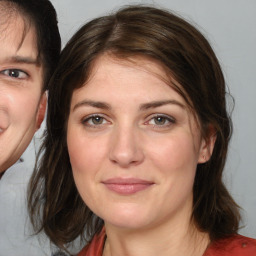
(134, 147)
(22, 104)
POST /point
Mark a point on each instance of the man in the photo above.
(29, 50)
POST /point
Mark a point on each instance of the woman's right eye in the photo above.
(15, 73)
(93, 121)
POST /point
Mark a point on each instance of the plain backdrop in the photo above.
(230, 26)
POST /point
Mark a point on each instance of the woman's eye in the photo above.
(15, 73)
(161, 121)
(94, 120)
(97, 120)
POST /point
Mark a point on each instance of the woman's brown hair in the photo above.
(187, 56)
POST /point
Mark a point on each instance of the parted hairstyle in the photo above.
(184, 52)
(41, 15)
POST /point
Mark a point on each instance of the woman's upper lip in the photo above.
(127, 181)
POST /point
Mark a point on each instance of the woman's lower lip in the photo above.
(127, 189)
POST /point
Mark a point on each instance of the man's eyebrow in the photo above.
(23, 60)
(95, 104)
(160, 103)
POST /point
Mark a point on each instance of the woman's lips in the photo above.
(127, 186)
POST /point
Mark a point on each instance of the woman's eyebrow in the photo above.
(156, 104)
(90, 103)
(144, 106)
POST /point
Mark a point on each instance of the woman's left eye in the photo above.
(15, 73)
(161, 120)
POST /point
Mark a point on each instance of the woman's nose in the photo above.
(126, 149)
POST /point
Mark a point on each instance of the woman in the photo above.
(136, 142)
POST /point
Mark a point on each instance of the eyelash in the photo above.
(14, 71)
(85, 121)
(165, 118)
(170, 121)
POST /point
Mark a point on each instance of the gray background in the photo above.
(230, 26)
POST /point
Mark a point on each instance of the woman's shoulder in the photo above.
(237, 245)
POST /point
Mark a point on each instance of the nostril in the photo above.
(125, 149)
(127, 158)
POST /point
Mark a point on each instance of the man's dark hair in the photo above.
(42, 16)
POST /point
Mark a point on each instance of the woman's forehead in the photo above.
(144, 63)
(139, 62)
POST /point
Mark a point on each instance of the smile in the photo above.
(127, 186)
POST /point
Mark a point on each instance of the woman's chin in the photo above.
(127, 220)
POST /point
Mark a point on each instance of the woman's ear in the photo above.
(207, 145)
(41, 111)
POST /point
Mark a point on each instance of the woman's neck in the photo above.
(164, 240)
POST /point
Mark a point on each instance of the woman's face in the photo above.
(134, 146)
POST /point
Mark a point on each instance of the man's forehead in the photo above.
(18, 40)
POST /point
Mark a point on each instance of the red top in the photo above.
(236, 245)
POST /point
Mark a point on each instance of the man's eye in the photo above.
(15, 73)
